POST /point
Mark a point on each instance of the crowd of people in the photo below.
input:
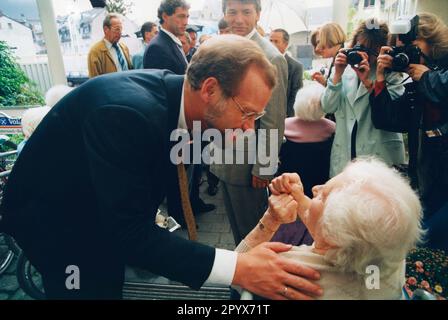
(347, 194)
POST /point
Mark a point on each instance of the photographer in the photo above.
(422, 113)
(347, 96)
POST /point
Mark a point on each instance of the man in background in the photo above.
(280, 39)
(149, 30)
(245, 185)
(109, 55)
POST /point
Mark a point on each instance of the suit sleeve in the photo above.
(157, 58)
(389, 114)
(273, 123)
(120, 144)
(297, 83)
(94, 64)
(434, 86)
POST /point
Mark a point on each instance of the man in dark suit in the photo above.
(82, 197)
(165, 51)
(280, 38)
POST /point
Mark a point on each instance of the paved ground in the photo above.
(214, 229)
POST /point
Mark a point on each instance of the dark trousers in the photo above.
(437, 226)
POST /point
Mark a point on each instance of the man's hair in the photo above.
(107, 19)
(284, 33)
(307, 105)
(434, 32)
(147, 27)
(169, 7)
(222, 24)
(257, 4)
(228, 58)
(330, 35)
(375, 34)
(373, 219)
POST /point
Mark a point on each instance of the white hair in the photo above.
(307, 105)
(31, 119)
(56, 93)
(374, 219)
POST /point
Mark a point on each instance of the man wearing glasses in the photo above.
(244, 185)
(109, 55)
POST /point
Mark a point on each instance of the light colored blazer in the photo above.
(101, 62)
(349, 101)
(241, 174)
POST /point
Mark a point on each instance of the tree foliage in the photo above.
(15, 87)
(118, 6)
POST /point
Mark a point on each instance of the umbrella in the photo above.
(286, 14)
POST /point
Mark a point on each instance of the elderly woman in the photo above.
(366, 218)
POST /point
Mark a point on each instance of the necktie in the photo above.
(186, 205)
(121, 60)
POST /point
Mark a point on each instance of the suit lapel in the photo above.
(175, 50)
(106, 52)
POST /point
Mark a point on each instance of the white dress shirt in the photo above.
(225, 260)
(177, 41)
(114, 55)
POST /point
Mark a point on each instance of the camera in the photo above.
(353, 56)
(404, 56)
(406, 28)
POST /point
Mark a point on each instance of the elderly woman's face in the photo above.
(313, 215)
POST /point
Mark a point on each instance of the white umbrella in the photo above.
(286, 14)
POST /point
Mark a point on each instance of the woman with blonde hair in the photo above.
(328, 40)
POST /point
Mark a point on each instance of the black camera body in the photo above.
(353, 56)
(404, 56)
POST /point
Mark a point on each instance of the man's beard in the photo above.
(214, 112)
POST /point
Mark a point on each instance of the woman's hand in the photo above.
(319, 77)
(384, 63)
(282, 209)
(416, 71)
(290, 183)
(340, 64)
(363, 70)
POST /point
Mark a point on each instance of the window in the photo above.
(10, 25)
(369, 3)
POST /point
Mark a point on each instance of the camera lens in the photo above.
(400, 62)
(354, 58)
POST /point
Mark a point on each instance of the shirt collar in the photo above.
(108, 44)
(182, 122)
(172, 36)
(251, 34)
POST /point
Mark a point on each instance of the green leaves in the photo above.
(15, 87)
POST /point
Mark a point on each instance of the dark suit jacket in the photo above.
(88, 183)
(163, 53)
(295, 82)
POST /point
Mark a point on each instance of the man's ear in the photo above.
(210, 88)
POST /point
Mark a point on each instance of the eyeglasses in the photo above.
(248, 114)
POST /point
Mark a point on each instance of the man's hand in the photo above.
(259, 183)
(263, 272)
(416, 71)
(290, 183)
